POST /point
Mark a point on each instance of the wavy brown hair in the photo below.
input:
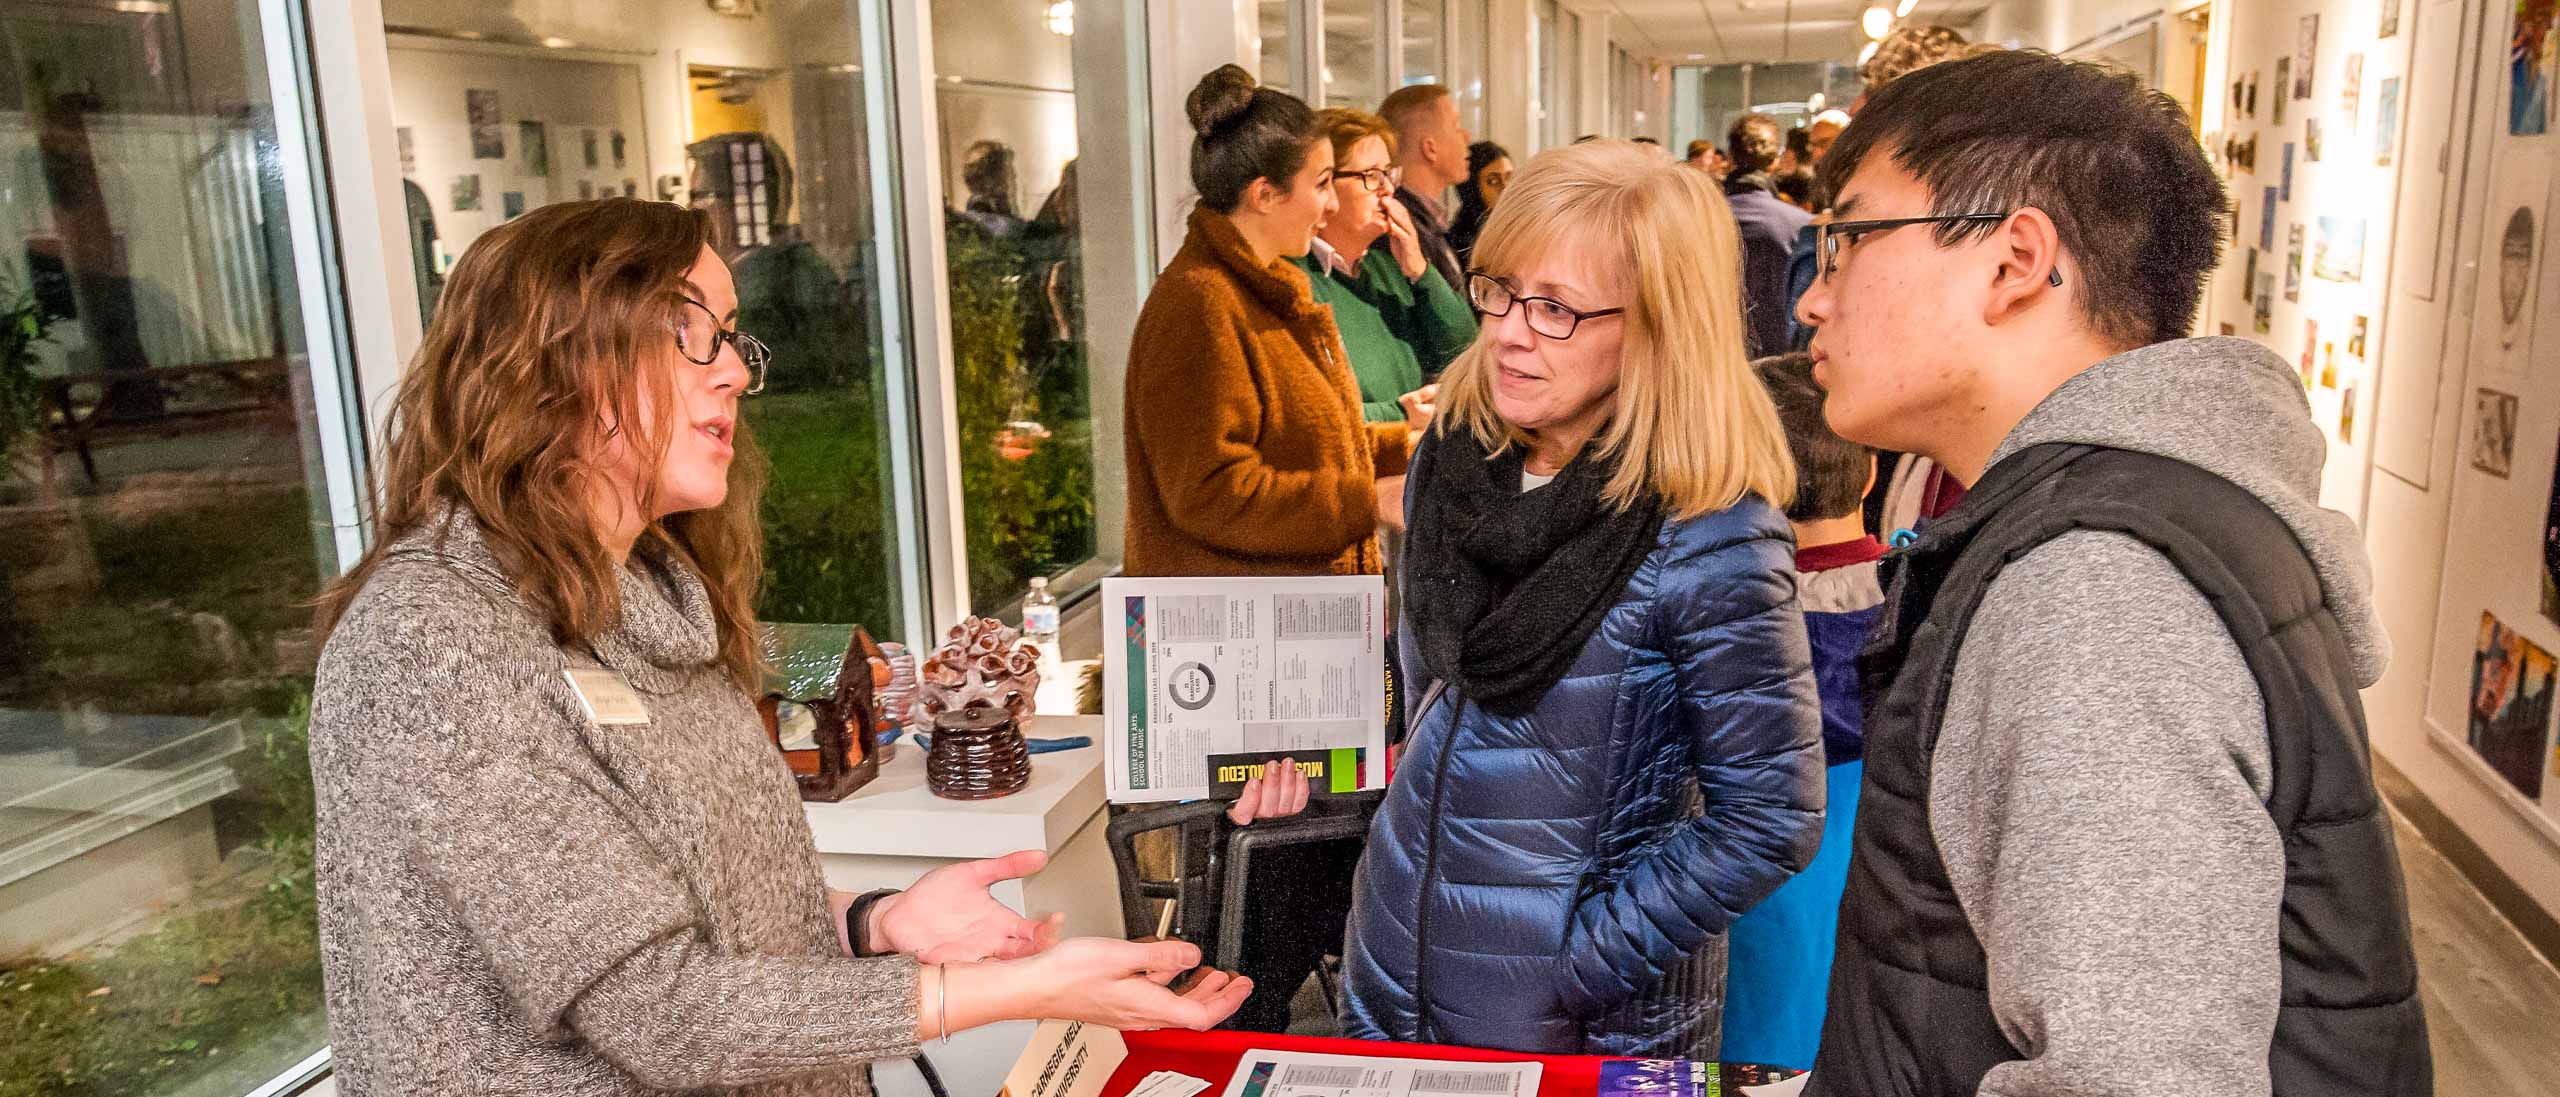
(549, 332)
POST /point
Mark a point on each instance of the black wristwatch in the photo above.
(858, 916)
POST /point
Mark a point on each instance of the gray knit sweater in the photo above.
(514, 899)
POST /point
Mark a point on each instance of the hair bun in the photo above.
(1219, 98)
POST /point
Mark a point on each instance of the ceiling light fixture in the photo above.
(1903, 9)
(1061, 17)
(1877, 21)
(1868, 52)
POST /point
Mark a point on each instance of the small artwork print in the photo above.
(2351, 92)
(2249, 275)
(630, 188)
(2386, 119)
(2338, 256)
(537, 148)
(2311, 139)
(617, 148)
(2284, 87)
(2306, 53)
(2529, 69)
(2310, 353)
(2293, 262)
(2493, 432)
(587, 147)
(2516, 247)
(2551, 550)
(488, 134)
(2328, 365)
(586, 189)
(2284, 183)
(511, 204)
(2347, 416)
(408, 139)
(2253, 95)
(2390, 19)
(2355, 339)
(466, 193)
(2229, 329)
(2267, 221)
(2262, 320)
(2511, 683)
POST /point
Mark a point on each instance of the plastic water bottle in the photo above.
(1040, 617)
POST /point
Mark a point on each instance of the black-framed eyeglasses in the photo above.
(1547, 316)
(693, 317)
(1831, 239)
(1375, 180)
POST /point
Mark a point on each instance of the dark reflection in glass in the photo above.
(159, 537)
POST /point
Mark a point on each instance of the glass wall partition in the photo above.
(176, 460)
(1422, 49)
(758, 116)
(1353, 31)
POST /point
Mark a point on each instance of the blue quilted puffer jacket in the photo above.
(1552, 882)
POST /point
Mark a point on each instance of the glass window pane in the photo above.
(1271, 22)
(159, 542)
(1422, 52)
(500, 111)
(1469, 60)
(1548, 83)
(1351, 54)
(1007, 95)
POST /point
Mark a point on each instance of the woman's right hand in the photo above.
(1281, 790)
(1123, 984)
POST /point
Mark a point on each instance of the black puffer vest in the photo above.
(1910, 1015)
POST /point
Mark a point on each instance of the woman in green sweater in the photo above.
(1400, 320)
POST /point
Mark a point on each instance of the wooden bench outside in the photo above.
(78, 408)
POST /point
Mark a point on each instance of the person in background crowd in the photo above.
(1248, 453)
(1799, 154)
(2118, 818)
(1706, 157)
(1400, 321)
(1488, 171)
(1908, 49)
(1780, 972)
(556, 852)
(1820, 133)
(1796, 189)
(1768, 226)
(1431, 150)
(1559, 853)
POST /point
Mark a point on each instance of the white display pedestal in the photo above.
(895, 830)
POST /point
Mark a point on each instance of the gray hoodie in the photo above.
(2100, 781)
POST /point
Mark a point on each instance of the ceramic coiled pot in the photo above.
(978, 754)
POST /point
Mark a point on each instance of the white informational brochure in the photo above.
(1303, 1074)
(1199, 667)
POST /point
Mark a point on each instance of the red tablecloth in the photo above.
(1211, 1057)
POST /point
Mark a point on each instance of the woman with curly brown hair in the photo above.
(556, 852)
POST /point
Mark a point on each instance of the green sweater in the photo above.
(1400, 333)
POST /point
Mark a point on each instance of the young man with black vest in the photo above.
(2118, 833)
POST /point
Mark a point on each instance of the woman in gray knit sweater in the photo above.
(556, 853)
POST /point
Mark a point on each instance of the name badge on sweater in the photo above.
(608, 699)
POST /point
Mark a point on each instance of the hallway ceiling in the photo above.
(1721, 31)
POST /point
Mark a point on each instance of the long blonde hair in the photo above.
(1692, 421)
(552, 325)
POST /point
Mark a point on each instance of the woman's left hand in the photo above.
(950, 917)
(1403, 242)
